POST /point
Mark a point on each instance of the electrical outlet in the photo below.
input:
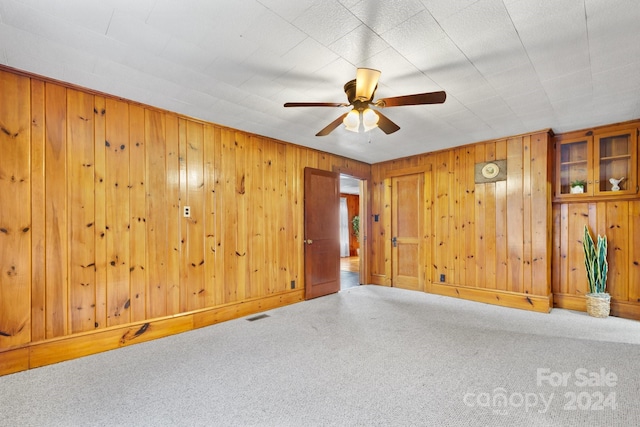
(293, 284)
(187, 211)
(442, 277)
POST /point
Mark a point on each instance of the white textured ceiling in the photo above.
(508, 66)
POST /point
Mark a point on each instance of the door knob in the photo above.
(308, 241)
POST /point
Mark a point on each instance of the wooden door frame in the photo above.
(365, 220)
(427, 229)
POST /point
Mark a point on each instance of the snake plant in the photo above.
(595, 260)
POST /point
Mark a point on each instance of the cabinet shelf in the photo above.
(575, 162)
(619, 157)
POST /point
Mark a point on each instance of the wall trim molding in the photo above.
(47, 352)
(626, 310)
(538, 303)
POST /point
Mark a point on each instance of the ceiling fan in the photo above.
(360, 96)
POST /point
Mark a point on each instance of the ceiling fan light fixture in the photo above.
(369, 119)
(366, 83)
(352, 121)
(360, 94)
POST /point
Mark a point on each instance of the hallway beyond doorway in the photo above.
(350, 263)
(349, 272)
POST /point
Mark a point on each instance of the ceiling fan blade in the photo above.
(334, 124)
(315, 104)
(366, 83)
(417, 99)
(386, 125)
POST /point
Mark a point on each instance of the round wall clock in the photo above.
(490, 170)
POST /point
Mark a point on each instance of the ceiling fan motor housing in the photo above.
(350, 90)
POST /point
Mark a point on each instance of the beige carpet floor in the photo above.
(366, 356)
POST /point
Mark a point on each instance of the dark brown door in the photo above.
(406, 230)
(322, 233)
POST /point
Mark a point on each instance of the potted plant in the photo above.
(595, 261)
(355, 223)
(577, 186)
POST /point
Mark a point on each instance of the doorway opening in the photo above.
(350, 237)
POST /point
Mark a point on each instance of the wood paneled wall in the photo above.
(93, 242)
(617, 217)
(96, 254)
(490, 240)
(620, 221)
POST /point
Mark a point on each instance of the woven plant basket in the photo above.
(598, 305)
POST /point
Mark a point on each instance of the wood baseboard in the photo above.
(14, 360)
(626, 310)
(570, 302)
(380, 280)
(56, 350)
(537, 303)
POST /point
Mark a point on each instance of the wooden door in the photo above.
(406, 230)
(322, 234)
(364, 232)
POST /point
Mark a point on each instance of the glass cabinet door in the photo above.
(573, 172)
(616, 157)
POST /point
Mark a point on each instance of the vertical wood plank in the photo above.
(468, 213)
(211, 139)
(15, 210)
(56, 211)
(38, 209)
(174, 249)
(196, 296)
(118, 214)
(156, 214)
(386, 233)
(270, 205)
(456, 220)
(527, 285)
(514, 215)
(183, 227)
(220, 185)
(137, 213)
(634, 251)
(490, 233)
(295, 211)
(564, 245)
(480, 213)
(81, 167)
(501, 223)
(290, 218)
(618, 250)
(577, 215)
(229, 218)
(556, 258)
(100, 209)
(450, 247)
(375, 248)
(541, 225)
(283, 239)
(256, 232)
(240, 199)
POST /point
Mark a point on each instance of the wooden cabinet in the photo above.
(589, 165)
